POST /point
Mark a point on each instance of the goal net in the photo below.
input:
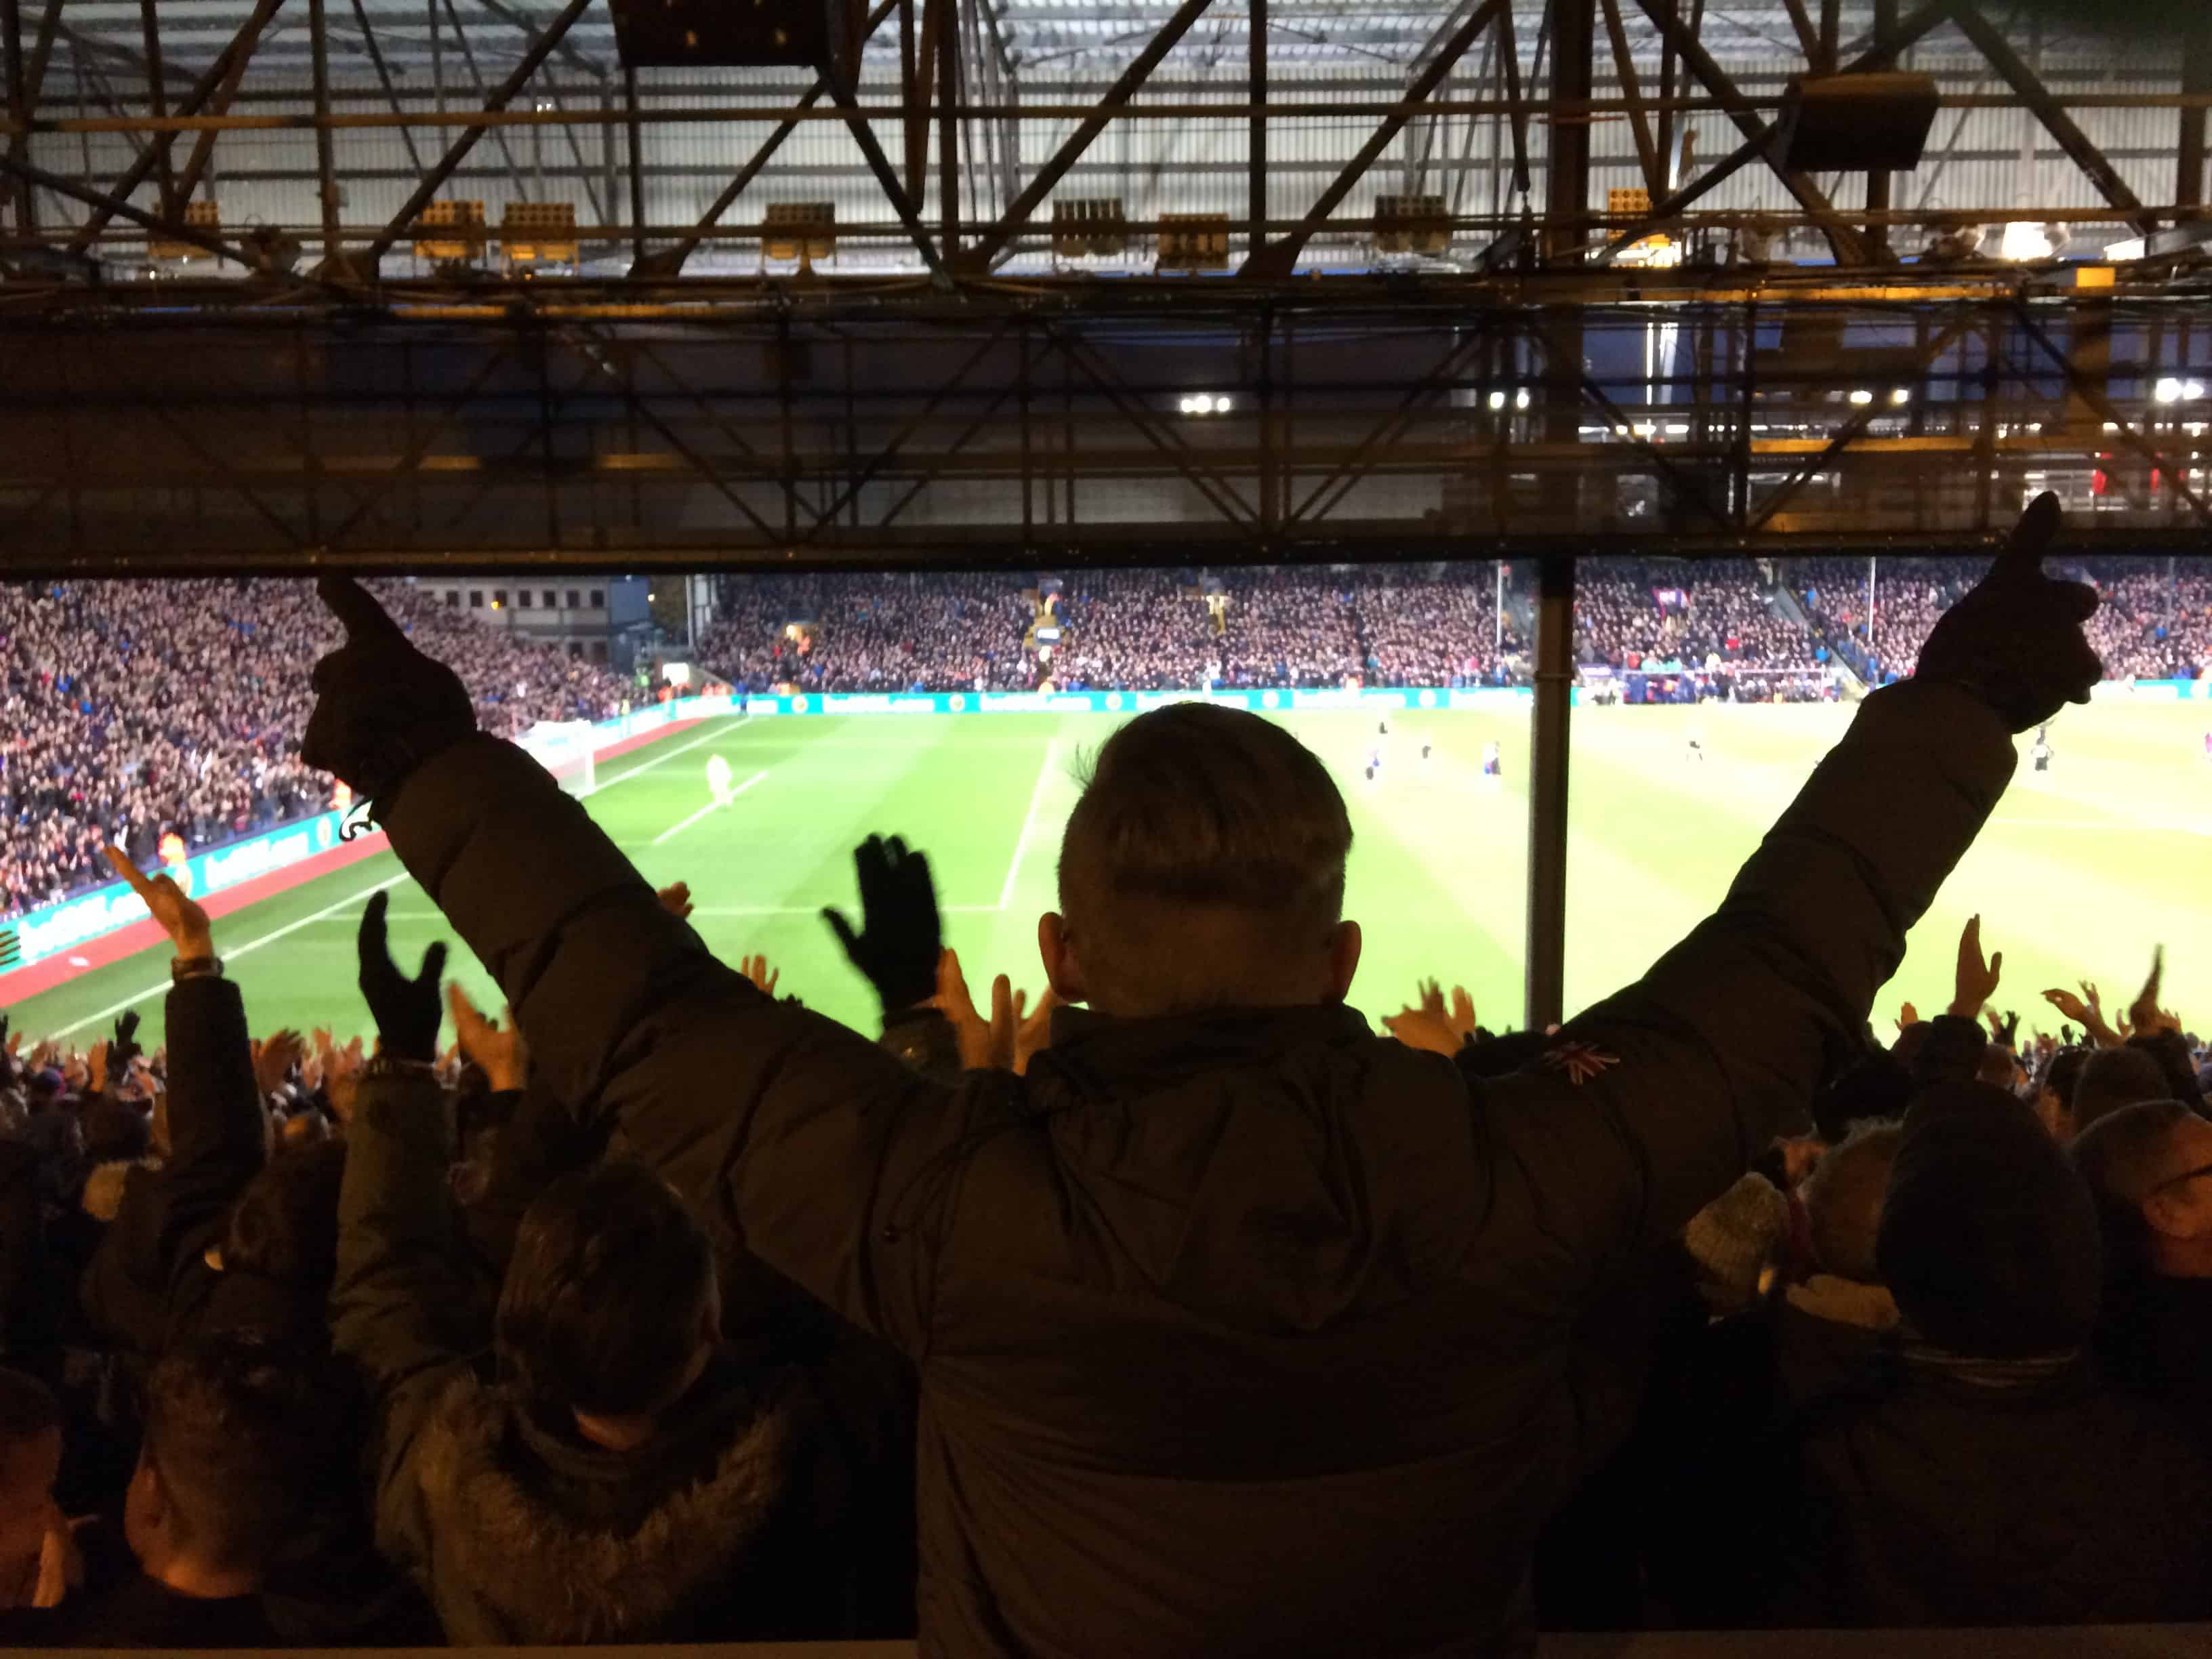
(564, 749)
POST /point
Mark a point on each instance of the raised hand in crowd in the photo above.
(1976, 980)
(407, 1012)
(381, 706)
(899, 941)
(495, 1046)
(1432, 1024)
(180, 917)
(676, 899)
(756, 970)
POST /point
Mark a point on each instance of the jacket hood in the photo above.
(574, 1553)
(1274, 1169)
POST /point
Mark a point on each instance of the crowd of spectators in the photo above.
(2155, 622)
(1127, 631)
(1195, 1319)
(134, 709)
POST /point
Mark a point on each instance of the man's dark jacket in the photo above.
(1941, 1499)
(1245, 1332)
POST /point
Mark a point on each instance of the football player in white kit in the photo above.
(718, 780)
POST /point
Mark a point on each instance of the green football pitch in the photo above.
(2082, 871)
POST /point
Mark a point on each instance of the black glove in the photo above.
(381, 706)
(900, 939)
(407, 1011)
(124, 1048)
(2016, 641)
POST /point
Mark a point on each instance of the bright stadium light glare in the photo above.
(1862, 397)
(1520, 398)
(2167, 391)
(1902, 395)
(2192, 390)
(1221, 404)
(1497, 400)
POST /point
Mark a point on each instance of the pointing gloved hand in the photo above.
(381, 706)
(2016, 641)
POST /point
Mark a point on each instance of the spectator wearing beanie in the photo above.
(2150, 1167)
(1989, 1443)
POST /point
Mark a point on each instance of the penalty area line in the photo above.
(681, 826)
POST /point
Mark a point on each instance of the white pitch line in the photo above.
(1029, 823)
(677, 829)
(329, 910)
(718, 730)
(238, 951)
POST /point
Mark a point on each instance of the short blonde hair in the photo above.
(1201, 822)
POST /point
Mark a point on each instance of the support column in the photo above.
(1566, 172)
(1878, 196)
(326, 173)
(16, 90)
(1547, 989)
(2196, 78)
(1255, 207)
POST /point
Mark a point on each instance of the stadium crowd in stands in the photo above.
(133, 709)
(118, 731)
(1175, 1312)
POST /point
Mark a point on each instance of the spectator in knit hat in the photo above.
(1989, 1441)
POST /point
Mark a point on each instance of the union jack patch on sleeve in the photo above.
(1580, 1061)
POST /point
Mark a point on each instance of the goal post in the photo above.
(564, 748)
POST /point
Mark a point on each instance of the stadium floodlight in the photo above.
(1901, 396)
(2192, 390)
(1520, 398)
(1221, 404)
(2167, 391)
(1497, 400)
(1861, 397)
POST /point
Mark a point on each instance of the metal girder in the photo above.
(457, 152)
(1853, 429)
(1639, 120)
(229, 64)
(2177, 477)
(1438, 379)
(1755, 145)
(909, 217)
(890, 450)
(172, 229)
(23, 84)
(917, 88)
(529, 26)
(157, 98)
(948, 130)
(1843, 240)
(1000, 238)
(668, 262)
(2029, 88)
(2196, 78)
(1279, 259)
(476, 80)
(384, 79)
(1255, 138)
(1219, 494)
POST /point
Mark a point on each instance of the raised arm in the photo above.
(784, 1129)
(1657, 1098)
(217, 1138)
(403, 1307)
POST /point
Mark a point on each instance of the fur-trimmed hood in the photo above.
(541, 1571)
